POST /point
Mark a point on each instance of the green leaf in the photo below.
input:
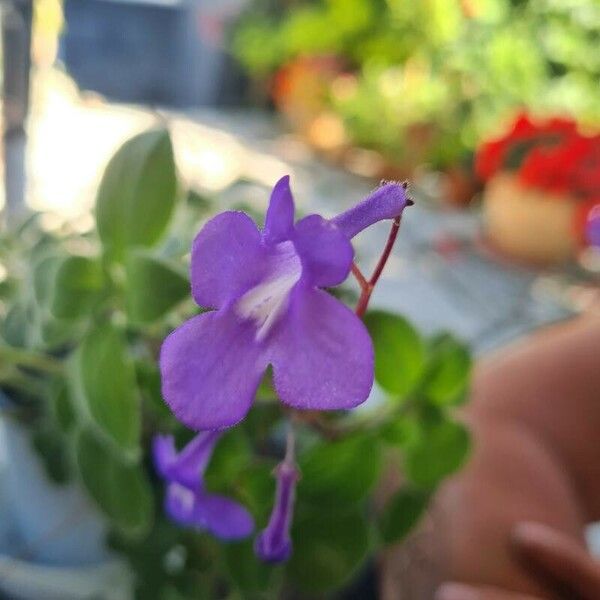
(137, 193)
(402, 512)
(121, 490)
(448, 372)
(148, 379)
(256, 490)
(78, 281)
(231, 456)
(339, 473)
(15, 326)
(105, 377)
(251, 576)
(328, 550)
(399, 352)
(153, 287)
(441, 449)
(44, 277)
(51, 450)
(62, 409)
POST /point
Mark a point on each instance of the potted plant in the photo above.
(84, 320)
(541, 183)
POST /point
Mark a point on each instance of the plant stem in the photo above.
(25, 358)
(367, 286)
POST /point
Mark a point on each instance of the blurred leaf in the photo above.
(256, 490)
(153, 287)
(121, 490)
(399, 352)
(339, 473)
(51, 450)
(448, 372)
(78, 281)
(137, 193)
(251, 576)
(402, 513)
(15, 325)
(62, 409)
(198, 202)
(106, 380)
(44, 276)
(148, 379)
(441, 449)
(329, 548)
(401, 431)
(230, 458)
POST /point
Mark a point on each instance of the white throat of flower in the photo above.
(268, 300)
(183, 495)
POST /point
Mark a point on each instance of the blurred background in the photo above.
(340, 94)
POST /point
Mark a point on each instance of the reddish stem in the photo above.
(362, 280)
(368, 286)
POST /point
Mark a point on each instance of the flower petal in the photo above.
(211, 367)
(187, 466)
(322, 354)
(180, 503)
(280, 214)
(164, 454)
(223, 517)
(326, 253)
(227, 259)
(386, 202)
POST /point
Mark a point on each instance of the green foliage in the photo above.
(448, 371)
(402, 513)
(78, 281)
(81, 337)
(62, 408)
(340, 473)
(48, 444)
(399, 352)
(121, 490)
(137, 193)
(104, 382)
(439, 450)
(329, 548)
(251, 577)
(153, 287)
(439, 74)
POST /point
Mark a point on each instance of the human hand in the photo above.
(554, 559)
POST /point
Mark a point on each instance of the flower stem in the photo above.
(367, 287)
(25, 358)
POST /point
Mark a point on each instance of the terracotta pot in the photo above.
(527, 224)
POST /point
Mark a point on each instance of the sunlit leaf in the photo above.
(78, 281)
(137, 193)
(153, 287)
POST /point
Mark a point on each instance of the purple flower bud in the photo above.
(274, 544)
(386, 202)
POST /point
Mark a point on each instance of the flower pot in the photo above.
(52, 538)
(527, 224)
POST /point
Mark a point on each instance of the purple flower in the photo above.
(264, 286)
(273, 544)
(186, 500)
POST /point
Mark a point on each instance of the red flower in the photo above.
(491, 156)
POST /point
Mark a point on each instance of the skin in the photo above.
(535, 418)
